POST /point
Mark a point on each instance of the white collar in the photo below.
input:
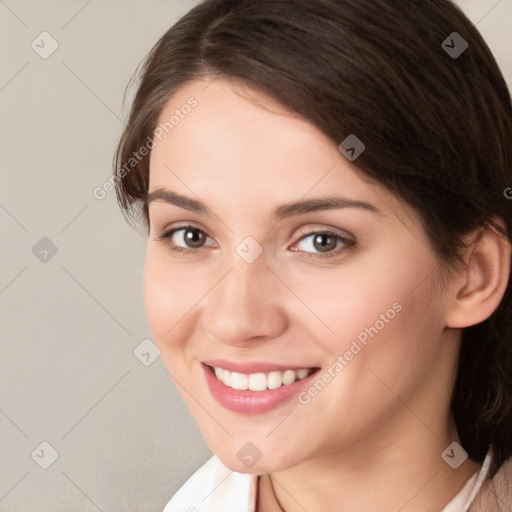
(466, 496)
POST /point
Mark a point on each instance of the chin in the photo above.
(270, 464)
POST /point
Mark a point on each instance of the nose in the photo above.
(245, 306)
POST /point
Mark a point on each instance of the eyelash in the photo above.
(348, 244)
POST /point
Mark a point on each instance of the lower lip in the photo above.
(252, 402)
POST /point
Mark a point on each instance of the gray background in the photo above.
(71, 372)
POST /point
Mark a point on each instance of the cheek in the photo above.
(351, 303)
(388, 326)
(168, 296)
(378, 304)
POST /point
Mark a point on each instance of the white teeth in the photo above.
(288, 377)
(301, 374)
(239, 381)
(259, 381)
(274, 380)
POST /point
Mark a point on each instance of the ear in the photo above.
(478, 290)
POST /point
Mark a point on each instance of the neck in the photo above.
(385, 474)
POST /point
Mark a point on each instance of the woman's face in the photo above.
(262, 287)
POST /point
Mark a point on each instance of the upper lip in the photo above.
(254, 366)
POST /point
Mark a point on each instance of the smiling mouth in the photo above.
(261, 381)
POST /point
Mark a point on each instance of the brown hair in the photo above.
(437, 130)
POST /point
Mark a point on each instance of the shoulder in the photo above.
(214, 488)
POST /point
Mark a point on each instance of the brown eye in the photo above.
(184, 239)
(324, 242)
(194, 238)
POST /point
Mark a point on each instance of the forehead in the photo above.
(238, 144)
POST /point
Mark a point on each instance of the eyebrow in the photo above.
(300, 207)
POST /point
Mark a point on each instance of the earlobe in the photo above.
(479, 290)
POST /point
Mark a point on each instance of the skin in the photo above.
(372, 438)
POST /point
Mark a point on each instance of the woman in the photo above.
(324, 187)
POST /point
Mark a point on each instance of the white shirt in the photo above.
(215, 488)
